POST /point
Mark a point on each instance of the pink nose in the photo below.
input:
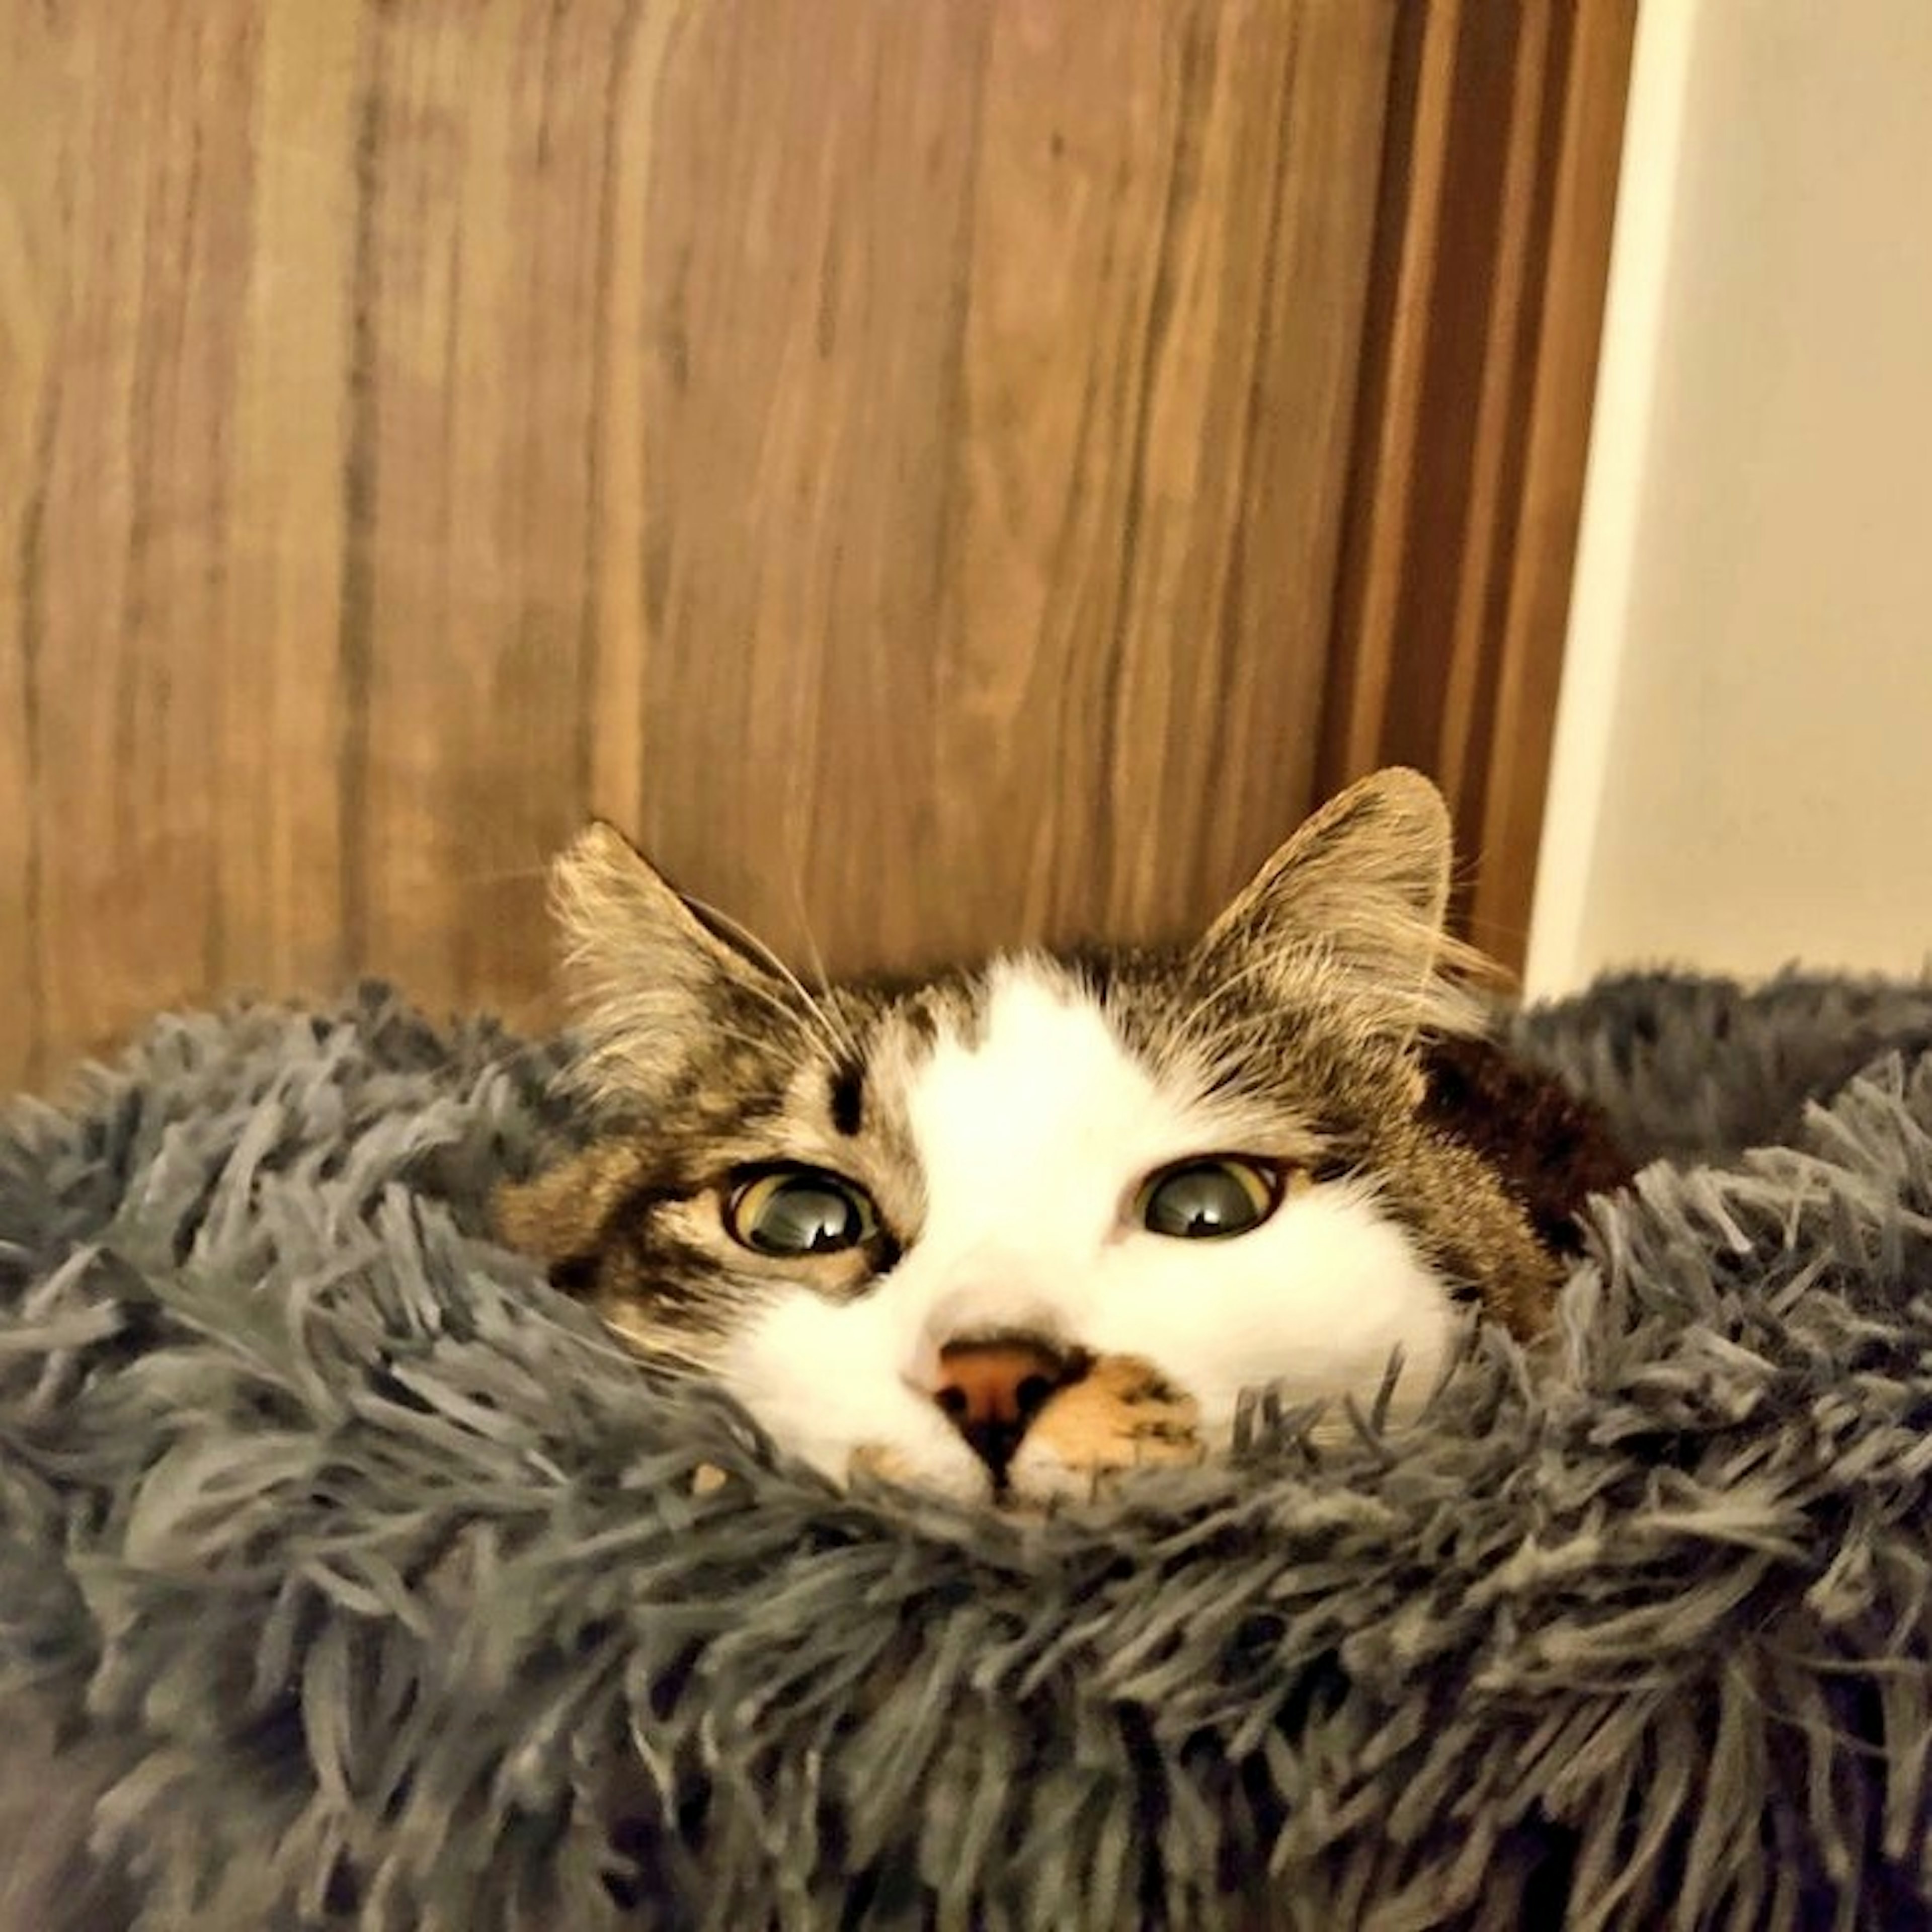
(992, 1390)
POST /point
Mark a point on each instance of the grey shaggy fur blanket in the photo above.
(348, 1578)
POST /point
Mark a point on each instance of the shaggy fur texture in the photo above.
(349, 1577)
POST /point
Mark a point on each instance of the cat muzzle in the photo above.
(991, 1391)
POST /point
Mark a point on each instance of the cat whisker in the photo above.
(810, 1013)
(816, 959)
(833, 1031)
(810, 1017)
(736, 1037)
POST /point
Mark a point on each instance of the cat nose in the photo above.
(990, 1391)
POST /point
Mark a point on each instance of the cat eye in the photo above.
(798, 1210)
(1209, 1199)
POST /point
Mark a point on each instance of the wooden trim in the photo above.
(1485, 306)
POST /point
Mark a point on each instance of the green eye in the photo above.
(1208, 1199)
(798, 1210)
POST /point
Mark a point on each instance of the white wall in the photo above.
(1743, 772)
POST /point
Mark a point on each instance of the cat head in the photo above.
(998, 1229)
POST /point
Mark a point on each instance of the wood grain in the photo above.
(940, 474)
(1505, 131)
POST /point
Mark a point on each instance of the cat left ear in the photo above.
(643, 973)
(1355, 902)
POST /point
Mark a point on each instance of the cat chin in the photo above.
(962, 1481)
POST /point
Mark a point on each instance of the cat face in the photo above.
(1001, 1231)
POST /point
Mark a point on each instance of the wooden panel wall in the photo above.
(1492, 252)
(940, 474)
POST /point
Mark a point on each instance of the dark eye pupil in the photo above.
(1200, 1202)
(804, 1217)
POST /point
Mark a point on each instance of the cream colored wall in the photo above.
(1743, 770)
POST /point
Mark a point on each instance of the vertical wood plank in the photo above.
(1492, 246)
(479, 303)
(1169, 558)
(1497, 389)
(1580, 173)
(131, 495)
(1391, 431)
(800, 278)
(1302, 418)
(33, 157)
(637, 328)
(279, 708)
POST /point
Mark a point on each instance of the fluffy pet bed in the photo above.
(348, 1578)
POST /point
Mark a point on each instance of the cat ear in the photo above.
(1354, 905)
(643, 973)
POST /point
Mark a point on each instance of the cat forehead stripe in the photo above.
(847, 1097)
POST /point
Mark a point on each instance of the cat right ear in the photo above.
(1353, 905)
(643, 973)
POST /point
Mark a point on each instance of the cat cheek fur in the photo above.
(828, 1381)
(1317, 1302)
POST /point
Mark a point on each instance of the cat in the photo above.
(1001, 1232)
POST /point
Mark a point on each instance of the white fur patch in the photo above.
(1033, 1139)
